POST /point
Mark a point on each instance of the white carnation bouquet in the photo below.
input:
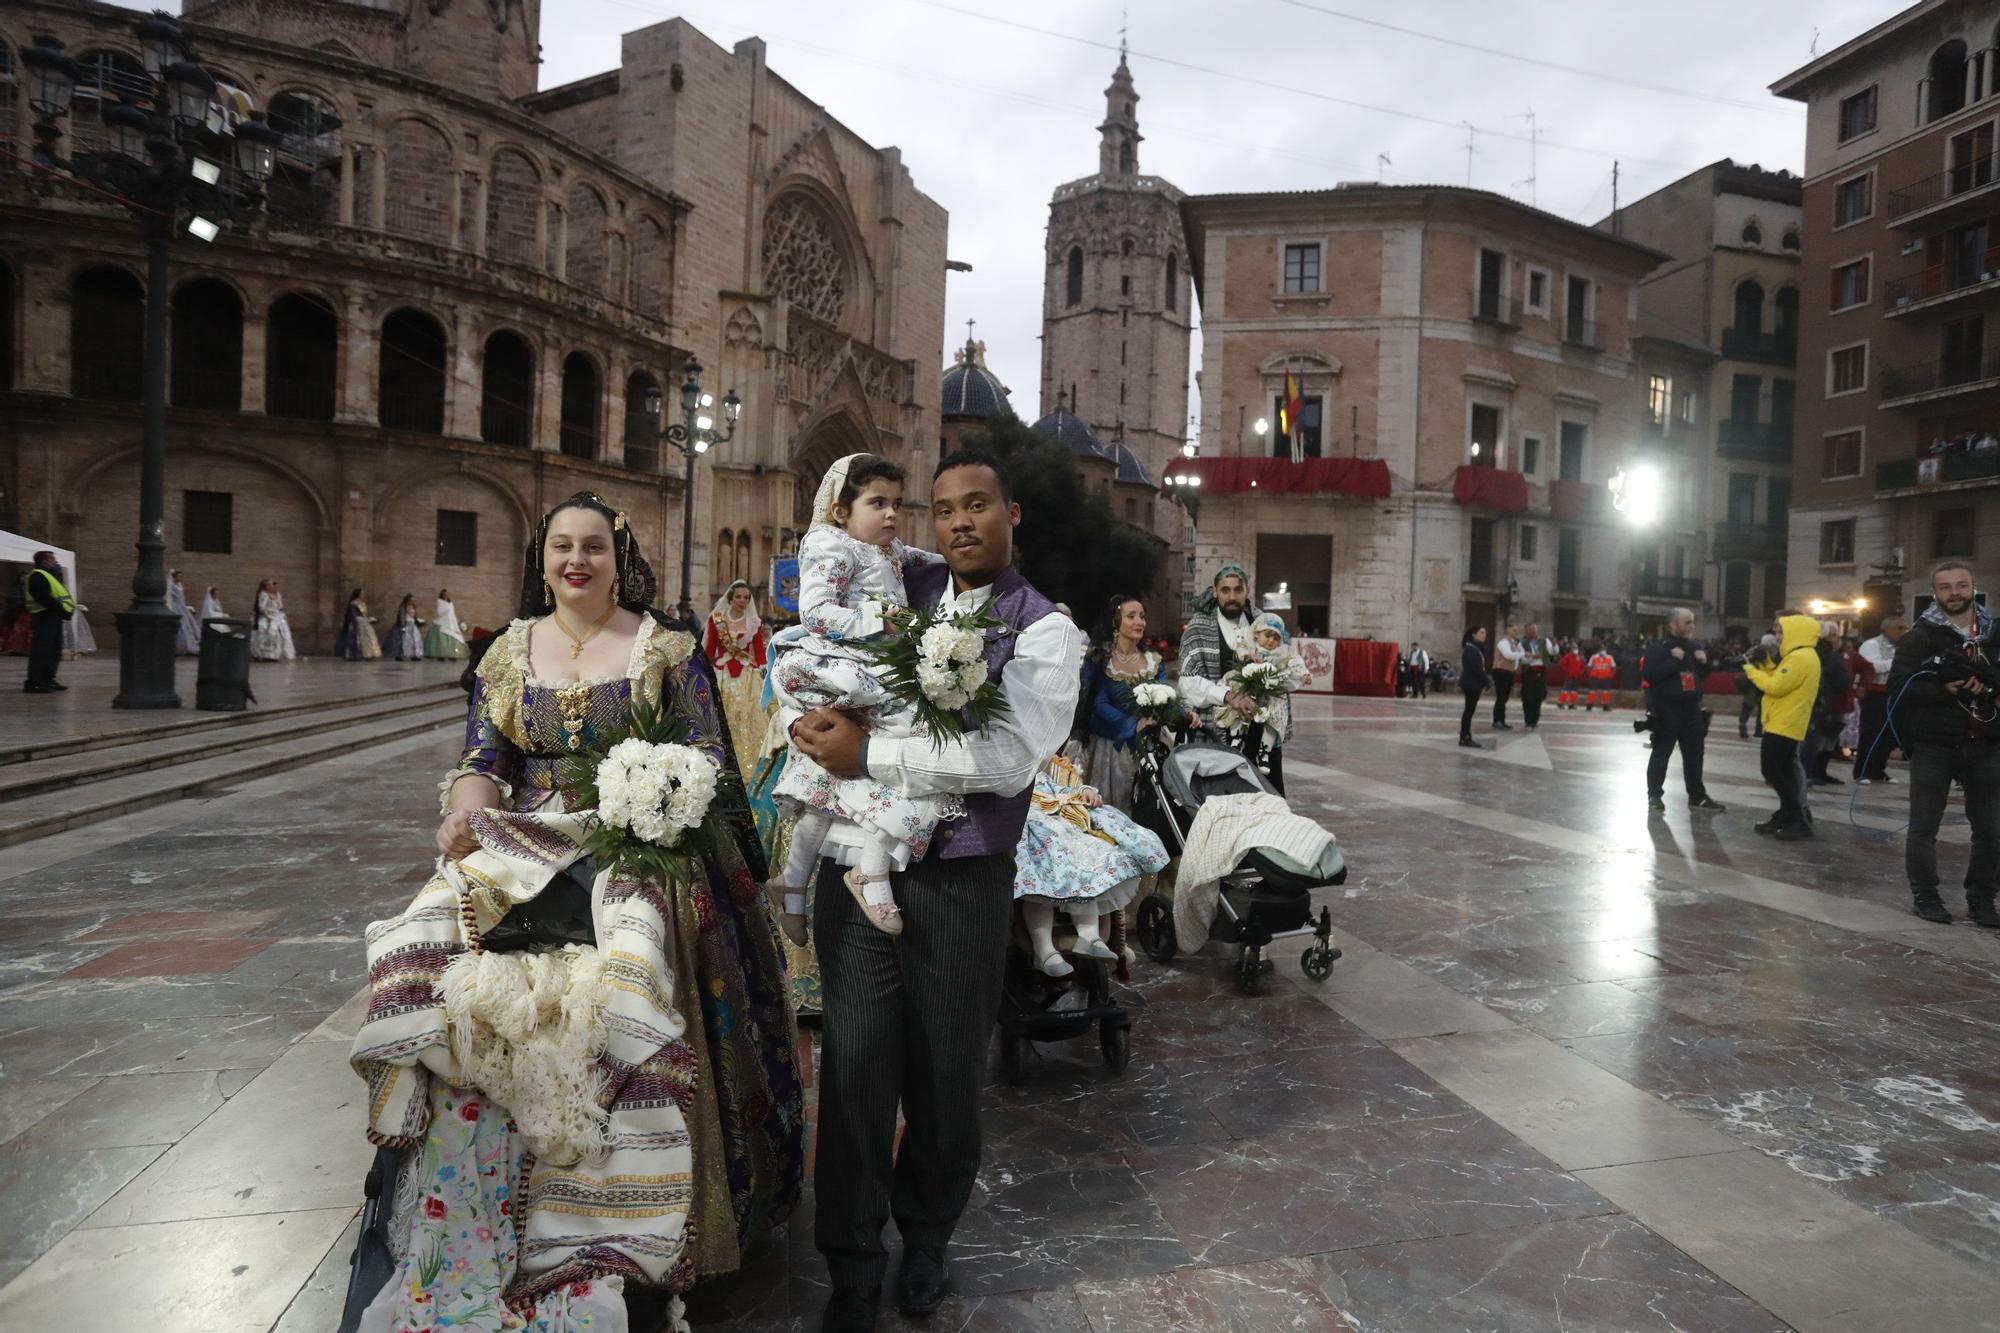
(936, 663)
(650, 798)
(1265, 684)
(1161, 705)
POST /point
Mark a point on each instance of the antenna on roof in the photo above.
(1381, 161)
(1471, 133)
(1617, 223)
(1534, 136)
(1813, 50)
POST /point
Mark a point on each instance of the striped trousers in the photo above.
(907, 1021)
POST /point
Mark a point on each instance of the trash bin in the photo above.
(222, 678)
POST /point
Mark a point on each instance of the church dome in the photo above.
(969, 389)
(1075, 432)
(1130, 470)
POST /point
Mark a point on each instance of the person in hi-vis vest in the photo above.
(49, 605)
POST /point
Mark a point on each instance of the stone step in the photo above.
(51, 812)
(187, 720)
(63, 771)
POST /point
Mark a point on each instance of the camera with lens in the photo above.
(1955, 665)
(1642, 725)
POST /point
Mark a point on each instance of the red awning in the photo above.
(1367, 477)
(1576, 499)
(1491, 488)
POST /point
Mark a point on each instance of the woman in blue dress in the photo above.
(1081, 855)
(1108, 722)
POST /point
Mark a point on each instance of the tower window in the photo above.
(1125, 284)
(1125, 248)
(1074, 293)
(1125, 157)
(1121, 353)
(1173, 281)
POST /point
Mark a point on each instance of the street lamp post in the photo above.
(178, 164)
(693, 435)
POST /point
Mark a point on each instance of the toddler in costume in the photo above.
(1273, 645)
(850, 589)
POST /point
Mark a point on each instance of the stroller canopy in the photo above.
(1197, 770)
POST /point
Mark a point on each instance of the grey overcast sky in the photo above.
(995, 102)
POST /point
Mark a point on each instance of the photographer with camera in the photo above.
(1942, 690)
(1673, 669)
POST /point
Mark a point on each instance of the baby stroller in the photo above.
(1264, 898)
(1034, 1007)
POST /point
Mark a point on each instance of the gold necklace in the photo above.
(576, 642)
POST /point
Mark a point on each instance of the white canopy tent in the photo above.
(13, 546)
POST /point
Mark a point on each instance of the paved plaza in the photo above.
(1579, 1069)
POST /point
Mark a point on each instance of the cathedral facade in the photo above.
(465, 299)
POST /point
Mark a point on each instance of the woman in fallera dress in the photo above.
(1110, 721)
(187, 641)
(736, 643)
(695, 1059)
(357, 642)
(406, 636)
(444, 639)
(211, 606)
(271, 634)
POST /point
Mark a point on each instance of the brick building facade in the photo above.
(1466, 366)
(1898, 458)
(458, 308)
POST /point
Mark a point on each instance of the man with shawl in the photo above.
(1216, 639)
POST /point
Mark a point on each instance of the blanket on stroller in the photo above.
(609, 1184)
(1225, 830)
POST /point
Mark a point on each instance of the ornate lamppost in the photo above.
(692, 436)
(182, 167)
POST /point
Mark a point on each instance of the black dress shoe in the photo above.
(36, 689)
(1467, 743)
(1982, 913)
(1794, 832)
(850, 1310)
(57, 685)
(1931, 908)
(1656, 805)
(921, 1285)
(1706, 802)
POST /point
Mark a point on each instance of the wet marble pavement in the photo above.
(1581, 1069)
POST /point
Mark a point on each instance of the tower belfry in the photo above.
(1118, 153)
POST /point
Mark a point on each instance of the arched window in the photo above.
(1752, 233)
(513, 204)
(1790, 240)
(1173, 281)
(1073, 289)
(649, 268)
(207, 347)
(1125, 247)
(107, 335)
(103, 78)
(1944, 90)
(743, 570)
(6, 327)
(1785, 313)
(411, 374)
(725, 560)
(802, 257)
(1749, 306)
(507, 390)
(1125, 157)
(643, 406)
(10, 95)
(585, 265)
(420, 183)
(301, 353)
(579, 406)
(305, 182)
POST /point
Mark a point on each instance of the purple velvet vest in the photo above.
(992, 822)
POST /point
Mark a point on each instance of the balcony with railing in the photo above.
(1928, 381)
(1491, 306)
(1977, 467)
(1754, 441)
(1942, 284)
(1585, 333)
(1933, 200)
(1749, 541)
(1671, 433)
(1779, 347)
(1668, 587)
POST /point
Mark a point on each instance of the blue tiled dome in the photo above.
(1130, 469)
(1075, 432)
(970, 389)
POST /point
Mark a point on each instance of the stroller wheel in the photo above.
(1156, 929)
(1014, 1057)
(1117, 1045)
(1250, 969)
(1317, 962)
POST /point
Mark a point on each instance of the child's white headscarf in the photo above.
(828, 497)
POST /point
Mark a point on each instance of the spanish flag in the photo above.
(1288, 411)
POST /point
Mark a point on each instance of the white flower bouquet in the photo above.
(936, 664)
(1265, 684)
(650, 798)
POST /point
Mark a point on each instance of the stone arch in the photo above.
(107, 333)
(811, 252)
(1747, 304)
(488, 591)
(421, 175)
(507, 388)
(823, 439)
(652, 254)
(587, 262)
(301, 355)
(463, 470)
(1300, 362)
(581, 432)
(84, 481)
(412, 364)
(1944, 81)
(513, 207)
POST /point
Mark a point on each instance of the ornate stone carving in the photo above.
(743, 330)
(802, 259)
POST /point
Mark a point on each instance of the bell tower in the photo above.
(1118, 152)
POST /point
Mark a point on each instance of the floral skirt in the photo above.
(1059, 862)
(742, 705)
